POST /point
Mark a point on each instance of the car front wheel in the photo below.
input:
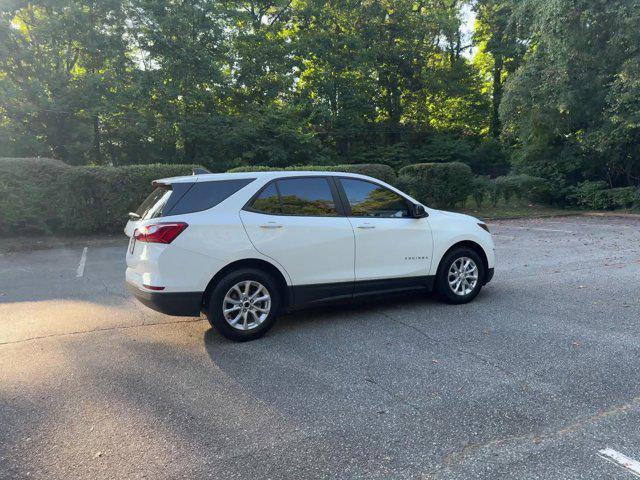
(460, 276)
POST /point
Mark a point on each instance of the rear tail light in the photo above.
(159, 232)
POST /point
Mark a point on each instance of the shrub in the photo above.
(592, 195)
(27, 188)
(97, 199)
(624, 197)
(521, 186)
(438, 184)
(481, 187)
(375, 170)
(46, 196)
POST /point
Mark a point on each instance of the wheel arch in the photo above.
(476, 247)
(256, 263)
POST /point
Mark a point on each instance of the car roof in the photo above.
(210, 177)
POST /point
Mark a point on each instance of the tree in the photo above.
(58, 61)
(500, 50)
(561, 105)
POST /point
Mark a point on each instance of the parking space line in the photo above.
(621, 460)
(83, 261)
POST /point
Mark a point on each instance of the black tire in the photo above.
(215, 305)
(443, 288)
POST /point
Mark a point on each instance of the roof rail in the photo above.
(200, 171)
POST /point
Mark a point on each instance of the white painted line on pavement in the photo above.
(622, 460)
(83, 261)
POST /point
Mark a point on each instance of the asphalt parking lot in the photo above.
(530, 381)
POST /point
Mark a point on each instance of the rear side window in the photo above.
(182, 198)
(309, 197)
(205, 195)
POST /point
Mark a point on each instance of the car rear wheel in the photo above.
(460, 276)
(244, 304)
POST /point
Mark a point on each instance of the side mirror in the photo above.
(419, 211)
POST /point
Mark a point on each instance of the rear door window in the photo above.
(268, 201)
(307, 197)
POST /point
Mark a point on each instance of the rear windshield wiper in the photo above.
(134, 216)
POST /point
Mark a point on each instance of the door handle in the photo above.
(366, 227)
(271, 225)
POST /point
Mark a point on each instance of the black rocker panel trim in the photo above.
(327, 292)
(369, 287)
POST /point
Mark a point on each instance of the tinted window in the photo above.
(204, 195)
(154, 204)
(307, 197)
(370, 200)
(268, 200)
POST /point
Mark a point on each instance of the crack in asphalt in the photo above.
(477, 356)
(457, 456)
(392, 394)
(105, 329)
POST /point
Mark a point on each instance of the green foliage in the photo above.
(625, 197)
(226, 83)
(553, 87)
(522, 186)
(481, 187)
(381, 172)
(571, 108)
(27, 192)
(597, 196)
(47, 196)
(511, 188)
(437, 184)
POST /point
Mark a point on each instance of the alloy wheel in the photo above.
(463, 276)
(246, 305)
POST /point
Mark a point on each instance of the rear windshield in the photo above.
(153, 205)
(182, 198)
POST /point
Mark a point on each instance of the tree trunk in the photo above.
(394, 109)
(494, 126)
(97, 139)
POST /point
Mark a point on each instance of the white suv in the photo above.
(243, 246)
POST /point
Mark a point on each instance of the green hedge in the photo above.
(375, 170)
(439, 185)
(47, 196)
(27, 190)
(598, 196)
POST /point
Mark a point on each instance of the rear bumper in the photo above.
(181, 304)
(490, 273)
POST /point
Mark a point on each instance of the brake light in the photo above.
(159, 232)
